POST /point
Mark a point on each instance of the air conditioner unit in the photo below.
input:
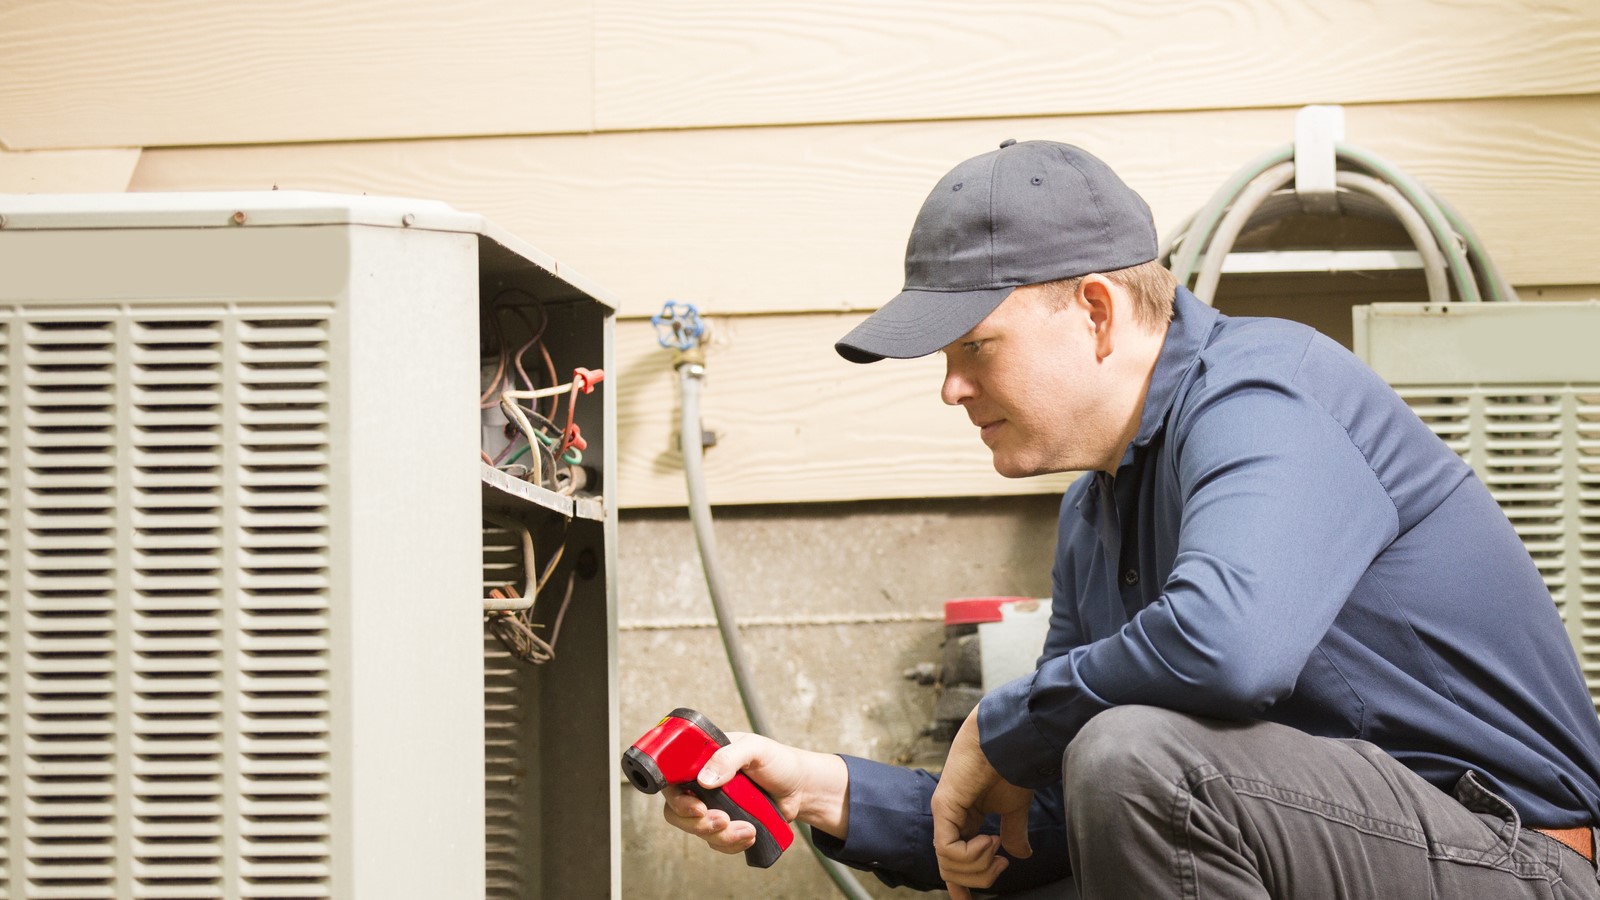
(243, 543)
(1514, 388)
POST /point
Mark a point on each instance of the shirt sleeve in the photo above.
(1282, 515)
(891, 831)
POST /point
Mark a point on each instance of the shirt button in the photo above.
(1130, 577)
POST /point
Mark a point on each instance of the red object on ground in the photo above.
(976, 610)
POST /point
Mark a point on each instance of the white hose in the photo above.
(1433, 262)
(1244, 206)
(1250, 199)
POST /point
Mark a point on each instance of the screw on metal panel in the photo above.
(408, 220)
(239, 217)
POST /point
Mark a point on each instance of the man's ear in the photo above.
(1099, 299)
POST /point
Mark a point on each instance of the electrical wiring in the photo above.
(554, 452)
(505, 360)
(571, 443)
(553, 443)
(515, 412)
(510, 613)
(568, 434)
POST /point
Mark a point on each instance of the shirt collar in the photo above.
(1187, 335)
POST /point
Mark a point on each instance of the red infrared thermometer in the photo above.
(676, 749)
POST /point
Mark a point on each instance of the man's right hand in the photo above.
(811, 787)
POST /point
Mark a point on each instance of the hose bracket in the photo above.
(1317, 129)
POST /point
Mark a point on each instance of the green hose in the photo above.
(1449, 241)
(1468, 261)
(1205, 221)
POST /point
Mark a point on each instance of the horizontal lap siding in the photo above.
(615, 135)
(66, 170)
(815, 218)
(80, 73)
(724, 62)
(794, 422)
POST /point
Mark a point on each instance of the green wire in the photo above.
(573, 454)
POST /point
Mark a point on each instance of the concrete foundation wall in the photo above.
(842, 599)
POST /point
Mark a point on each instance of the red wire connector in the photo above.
(574, 438)
(582, 380)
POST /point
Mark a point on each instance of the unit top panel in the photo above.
(500, 252)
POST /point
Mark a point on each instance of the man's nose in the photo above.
(957, 386)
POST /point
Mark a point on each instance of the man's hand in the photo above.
(810, 787)
(969, 788)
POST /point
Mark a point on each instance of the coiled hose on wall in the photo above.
(1452, 255)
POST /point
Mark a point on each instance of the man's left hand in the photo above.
(969, 789)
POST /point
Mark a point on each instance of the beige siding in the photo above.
(794, 422)
(77, 73)
(614, 134)
(723, 62)
(815, 218)
(69, 171)
(180, 72)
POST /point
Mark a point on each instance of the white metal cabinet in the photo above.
(242, 547)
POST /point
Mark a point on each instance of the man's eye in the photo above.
(972, 346)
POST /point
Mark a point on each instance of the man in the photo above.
(1296, 650)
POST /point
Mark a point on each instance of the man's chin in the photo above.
(1011, 468)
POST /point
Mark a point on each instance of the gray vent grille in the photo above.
(1537, 447)
(1584, 553)
(510, 757)
(166, 665)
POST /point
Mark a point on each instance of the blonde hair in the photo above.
(1151, 285)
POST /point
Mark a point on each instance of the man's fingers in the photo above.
(1014, 834)
(734, 837)
(727, 762)
(683, 803)
(957, 883)
(971, 855)
(710, 825)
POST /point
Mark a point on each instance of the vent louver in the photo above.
(509, 708)
(1537, 447)
(166, 664)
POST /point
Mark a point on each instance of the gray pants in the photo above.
(1160, 804)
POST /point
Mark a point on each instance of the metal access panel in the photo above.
(241, 556)
(1514, 388)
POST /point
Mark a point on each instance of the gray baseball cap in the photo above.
(1023, 214)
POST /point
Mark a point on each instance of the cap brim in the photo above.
(917, 323)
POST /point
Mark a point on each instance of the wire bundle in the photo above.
(554, 452)
(513, 621)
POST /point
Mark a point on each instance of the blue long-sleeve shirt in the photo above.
(1284, 540)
